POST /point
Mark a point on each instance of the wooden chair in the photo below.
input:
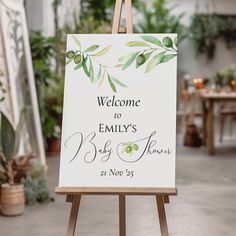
(227, 112)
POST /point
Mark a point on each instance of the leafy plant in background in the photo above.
(100, 10)
(154, 53)
(158, 18)
(35, 186)
(49, 83)
(12, 167)
(2, 88)
(225, 76)
(207, 29)
(86, 60)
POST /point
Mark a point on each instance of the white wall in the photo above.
(40, 14)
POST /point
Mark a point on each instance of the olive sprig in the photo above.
(86, 60)
(165, 49)
(130, 148)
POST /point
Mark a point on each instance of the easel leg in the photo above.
(73, 215)
(122, 217)
(162, 215)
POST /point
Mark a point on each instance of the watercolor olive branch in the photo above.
(86, 60)
(164, 51)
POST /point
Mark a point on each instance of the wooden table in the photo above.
(208, 118)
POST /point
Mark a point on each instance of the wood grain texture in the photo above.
(114, 191)
(73, 215)
(210, 129)
(122, 215)
(117, 16)
(128, 16)
(162, 215)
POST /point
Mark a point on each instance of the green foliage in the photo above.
(207, 29)
(157, 18)
(35, 187)
(2, 88)
(155, 52)
(9, 147)
(100, 10)
(7, 138)
(86, 60)
(43, 51)
(225, 76)
(49, 82)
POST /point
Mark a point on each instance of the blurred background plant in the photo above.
(49, 83)
(206, 30)
(2, 87)
(225, 76)
(158, 18)
(36, 189)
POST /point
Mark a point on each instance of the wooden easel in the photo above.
(74, 194)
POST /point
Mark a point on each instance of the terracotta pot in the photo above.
(53, 146)
(12, 199)
(233, 85)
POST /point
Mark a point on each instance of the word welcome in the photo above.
(113, 102)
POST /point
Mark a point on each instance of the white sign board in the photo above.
(119, 119)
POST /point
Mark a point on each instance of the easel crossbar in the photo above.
(115, 191)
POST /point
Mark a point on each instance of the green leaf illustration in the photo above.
(130, 61)
(91, 71)
(76, 41)
(69, 61)
(167, 58)
(98, 77)
(176, 41)
(148, 54)
(124, 58)
(137, 44)
(103, 78)
(152, 40)
(103, 51)
(113, 87)
(79, 65)
(85, 67)
(92, 48)
(154, 61)
(116, 81)
(118, 65)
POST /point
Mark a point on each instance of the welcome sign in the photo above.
(119, 119)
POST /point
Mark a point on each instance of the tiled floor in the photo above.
(205, 205)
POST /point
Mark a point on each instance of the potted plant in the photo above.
(12, 168)
(52, 115)
(225, 77)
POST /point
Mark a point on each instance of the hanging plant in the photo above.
(207, 29)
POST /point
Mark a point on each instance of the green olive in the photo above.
(128, 149)
(167, 41)
(140, 59)
(70, 54)
(77, 59)
(135, 147)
